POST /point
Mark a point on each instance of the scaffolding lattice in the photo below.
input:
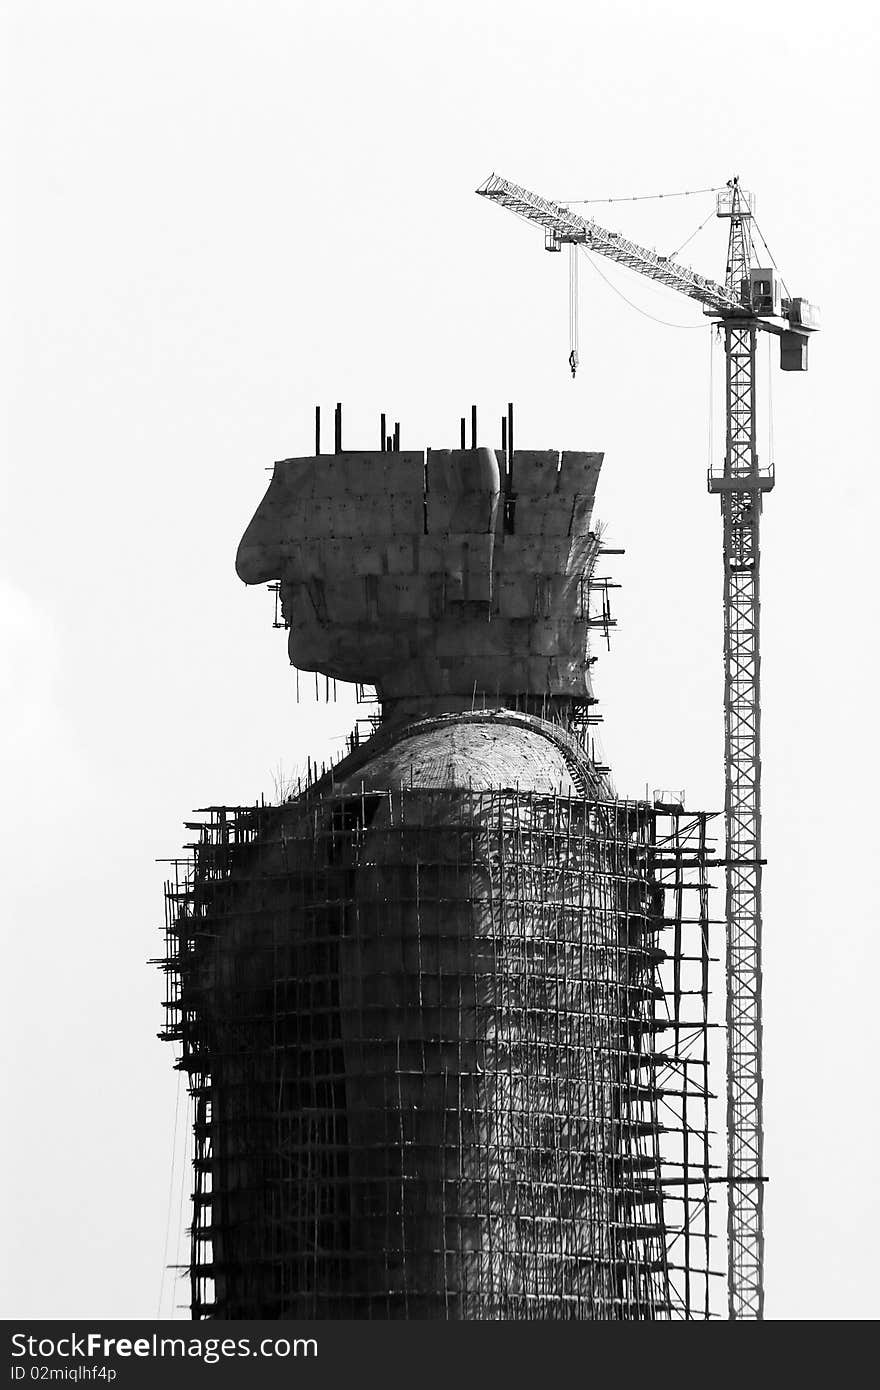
(448, 1055)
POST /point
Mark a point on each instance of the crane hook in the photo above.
(573, 362)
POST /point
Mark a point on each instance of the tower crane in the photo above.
(750, 301)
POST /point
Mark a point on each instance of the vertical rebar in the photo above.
(510, 447)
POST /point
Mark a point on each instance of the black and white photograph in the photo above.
(439, 613)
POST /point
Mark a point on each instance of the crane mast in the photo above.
(740, 487)
(747, 303)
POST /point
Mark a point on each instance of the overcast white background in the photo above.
(219, 214)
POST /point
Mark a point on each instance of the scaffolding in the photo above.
(448, 1053)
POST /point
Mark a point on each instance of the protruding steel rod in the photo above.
(510, 446)
(338, 422)
(504, 438)
(397, 436)
(473, 427)
(382, 437)
(463, 432)
(317, 429)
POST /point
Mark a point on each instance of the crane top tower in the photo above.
(750, 301)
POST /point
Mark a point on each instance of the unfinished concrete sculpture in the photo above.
(416, 574)
(416, 1000)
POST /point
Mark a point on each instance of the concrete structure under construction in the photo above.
(420, 575)
(424, 1002)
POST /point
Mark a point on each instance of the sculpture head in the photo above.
(399, 570)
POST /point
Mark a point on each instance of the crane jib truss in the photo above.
(740, 486)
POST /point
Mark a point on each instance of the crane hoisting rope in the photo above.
(573, 294)
(713, 339)
(611, 285)
(573, 308)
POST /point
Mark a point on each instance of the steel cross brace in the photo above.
(741, 510)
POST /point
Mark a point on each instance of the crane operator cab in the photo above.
(765, 291)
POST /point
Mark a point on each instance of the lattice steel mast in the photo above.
(749, 300)
(740, 487)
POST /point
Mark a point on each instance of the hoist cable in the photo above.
(711, 398)
(771, 441)
(653, 317)
(573, 308)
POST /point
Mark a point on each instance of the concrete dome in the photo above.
(480, 753)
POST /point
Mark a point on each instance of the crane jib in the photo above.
(567, 226)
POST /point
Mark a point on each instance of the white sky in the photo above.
(223, 213)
